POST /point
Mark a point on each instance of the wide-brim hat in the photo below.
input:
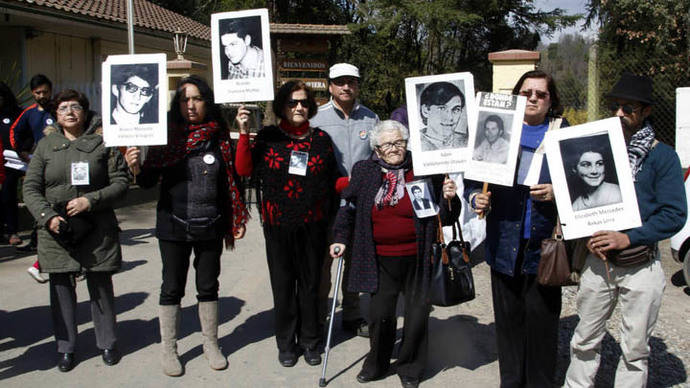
(342, 70)
(633, 87)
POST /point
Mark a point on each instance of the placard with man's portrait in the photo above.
(591, 177)
(439, 109)
(134, 100)
(496, 143)
(241, 56)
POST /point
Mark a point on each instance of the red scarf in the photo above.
(294, 131)
(180, 144)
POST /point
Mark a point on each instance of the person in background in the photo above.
(9, 111)
(296, 201)
(200, 206)
(660, 191)
(78, 229)
(348, 122)
(518, 218)
(390, 248)
(25, 133)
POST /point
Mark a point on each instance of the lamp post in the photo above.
(180, 42)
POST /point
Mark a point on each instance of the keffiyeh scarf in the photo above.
(181, 143)
(639, 146)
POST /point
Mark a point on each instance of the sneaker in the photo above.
(36, 274)
(14, 240)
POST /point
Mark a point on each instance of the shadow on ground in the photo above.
(672, 374)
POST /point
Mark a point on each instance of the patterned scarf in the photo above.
(393, 186)
(180, 144)
(640, 145)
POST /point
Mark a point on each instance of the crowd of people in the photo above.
(331, 182)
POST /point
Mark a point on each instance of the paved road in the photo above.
(461, 343)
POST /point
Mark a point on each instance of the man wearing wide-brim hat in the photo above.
(638, 284)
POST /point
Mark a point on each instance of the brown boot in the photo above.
(208, 316)
(169, 321)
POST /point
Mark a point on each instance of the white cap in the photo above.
(343, 69)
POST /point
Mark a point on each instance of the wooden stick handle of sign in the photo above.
(485, 188)
(447, 177)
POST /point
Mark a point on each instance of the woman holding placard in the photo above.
(294, 167)
(518, 218)
(199, 207)
(70, 187)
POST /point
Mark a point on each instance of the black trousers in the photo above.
(8, 198)
(396, 275)
(527, 316)
(295, 258)
(63, 306)
(176, 255)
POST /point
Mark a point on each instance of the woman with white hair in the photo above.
(390, 249)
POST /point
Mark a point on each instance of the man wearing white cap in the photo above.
(348, 123)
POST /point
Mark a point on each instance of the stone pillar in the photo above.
(180, 68)
(509, 65)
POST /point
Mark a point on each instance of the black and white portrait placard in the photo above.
(241, 55)
(591, 178)
(439, 108)
(496, 142)
(422, 198)
(134, 100)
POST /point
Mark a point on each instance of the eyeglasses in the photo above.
(391, 145)
(540, 94)
(291, 103)
(628, 109)
(66, 108)
(340, 81)
(132, 88)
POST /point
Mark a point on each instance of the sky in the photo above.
(571, 7)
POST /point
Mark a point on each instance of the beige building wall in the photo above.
(506, 74)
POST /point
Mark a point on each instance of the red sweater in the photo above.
(393, 227)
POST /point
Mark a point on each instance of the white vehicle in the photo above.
(680, 243)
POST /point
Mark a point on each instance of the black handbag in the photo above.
(73, 230)
(451, 275)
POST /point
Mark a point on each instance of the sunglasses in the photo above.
(540, 94)
(340, 81)
(293, 103)
(66, 108)
(132, 88)
(628, 109)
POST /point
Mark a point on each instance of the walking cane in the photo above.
(322, 381)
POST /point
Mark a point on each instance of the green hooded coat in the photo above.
(48, 185)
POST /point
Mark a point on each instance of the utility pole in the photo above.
(130, 26)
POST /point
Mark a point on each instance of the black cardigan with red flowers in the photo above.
(289, 199)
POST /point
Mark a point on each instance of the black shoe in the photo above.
(28, 248)
(364, 378)
(312, 356)
(111, 356)
(357, 327)
(65, 362)
(409, 382)
(287, 359)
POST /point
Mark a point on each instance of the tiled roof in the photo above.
(146, 14)
(152, 16)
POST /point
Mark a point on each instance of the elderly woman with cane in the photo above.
(294, 168)
(70, 187)
(199, 207)
(391, 249)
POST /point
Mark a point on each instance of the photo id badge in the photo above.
(422, 198)
(298, 163)
(80, 173)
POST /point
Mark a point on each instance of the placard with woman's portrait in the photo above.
(134, 100)
(497, 138)
(592, 179)
(439, 108)
(241, 56)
